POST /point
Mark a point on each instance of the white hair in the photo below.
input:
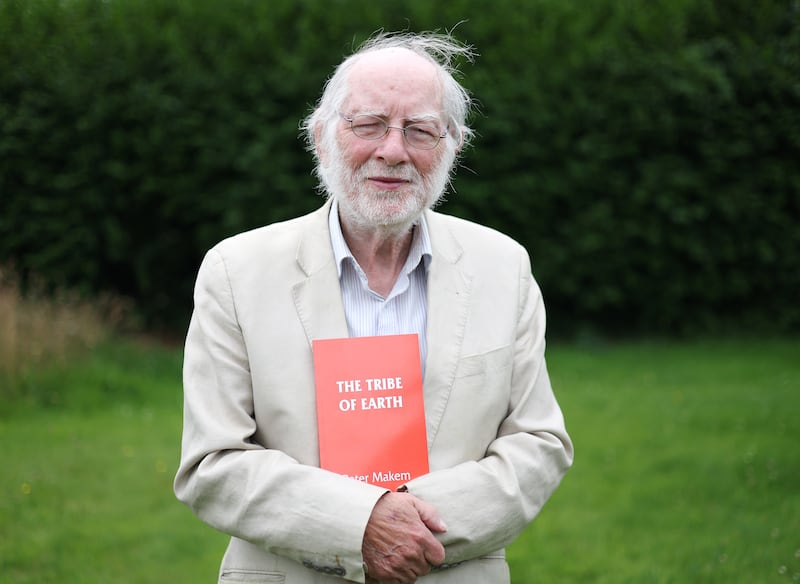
(442, 50)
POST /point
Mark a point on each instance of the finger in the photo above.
(429, 516)
(433, 550)
(434, 556)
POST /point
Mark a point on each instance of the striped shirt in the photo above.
(404, 310)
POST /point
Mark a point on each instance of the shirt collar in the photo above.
(420, 251)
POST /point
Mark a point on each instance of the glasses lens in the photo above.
(422, 136)
(368, 127)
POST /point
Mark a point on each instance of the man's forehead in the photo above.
(396, 60)
(387, 77)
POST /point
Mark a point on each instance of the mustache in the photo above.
(375, 168)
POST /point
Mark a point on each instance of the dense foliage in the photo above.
(644, 152)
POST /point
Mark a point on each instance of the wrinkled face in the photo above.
(386, 182)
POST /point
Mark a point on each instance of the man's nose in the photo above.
(393, 148)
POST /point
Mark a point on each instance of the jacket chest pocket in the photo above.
(484, 364)
(480, 394)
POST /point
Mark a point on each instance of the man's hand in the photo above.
(399, 545)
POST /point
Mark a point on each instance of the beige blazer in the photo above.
(249, 462)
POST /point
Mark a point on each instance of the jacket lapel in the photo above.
(317, 297)
(448, 301)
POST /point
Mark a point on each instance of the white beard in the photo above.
(391, 211)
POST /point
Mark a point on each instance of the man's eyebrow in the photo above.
(369, 112)
(425, 117)
(413, 118)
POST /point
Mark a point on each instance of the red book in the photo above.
(370, 408)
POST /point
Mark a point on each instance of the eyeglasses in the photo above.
(421, 135)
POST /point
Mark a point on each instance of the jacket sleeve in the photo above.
(242, 487)
(487, 503)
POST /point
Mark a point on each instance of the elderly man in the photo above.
(373, 260)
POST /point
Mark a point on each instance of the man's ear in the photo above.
(321, 152)
(458, 134)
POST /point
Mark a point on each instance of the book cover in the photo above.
(370, 408)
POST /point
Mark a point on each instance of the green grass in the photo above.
(687, 466)
(687, 470)
(87, 476)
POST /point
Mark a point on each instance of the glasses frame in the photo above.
(350, 120)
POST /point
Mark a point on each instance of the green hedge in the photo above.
(645, 152)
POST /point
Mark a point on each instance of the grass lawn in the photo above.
(687, 466)
(87, 480)
(687, 470)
